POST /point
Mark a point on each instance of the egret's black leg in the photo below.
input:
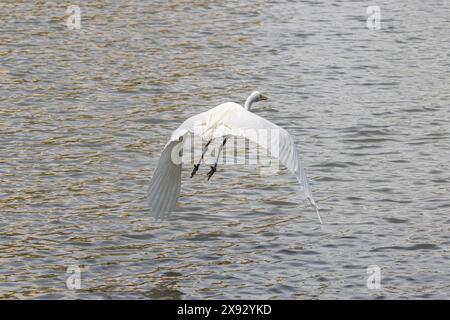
(214, 167)
(211, 172)
(196, 166)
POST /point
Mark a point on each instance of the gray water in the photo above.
(84, 115)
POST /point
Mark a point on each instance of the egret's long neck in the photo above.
(249, 101)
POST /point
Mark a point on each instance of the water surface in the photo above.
(85, 113)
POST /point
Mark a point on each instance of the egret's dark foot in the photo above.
(196, 166)
(211, 172)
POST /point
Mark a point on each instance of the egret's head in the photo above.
(254, 97)
(258, 96)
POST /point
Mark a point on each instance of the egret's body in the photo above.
(227, 119)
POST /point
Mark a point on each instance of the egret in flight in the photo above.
(225, 120)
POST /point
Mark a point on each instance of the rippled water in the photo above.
(85, 113)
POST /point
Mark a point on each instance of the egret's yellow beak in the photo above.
(263, 97)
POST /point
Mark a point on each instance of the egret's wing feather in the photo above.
(165, 183)
(194, 124)
(209, 124)
(246, 124)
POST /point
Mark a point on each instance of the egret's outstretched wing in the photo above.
(251, 126)
(165, 184)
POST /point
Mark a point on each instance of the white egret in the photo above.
(225, 120)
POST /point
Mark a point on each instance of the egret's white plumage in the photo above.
(227, 119)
